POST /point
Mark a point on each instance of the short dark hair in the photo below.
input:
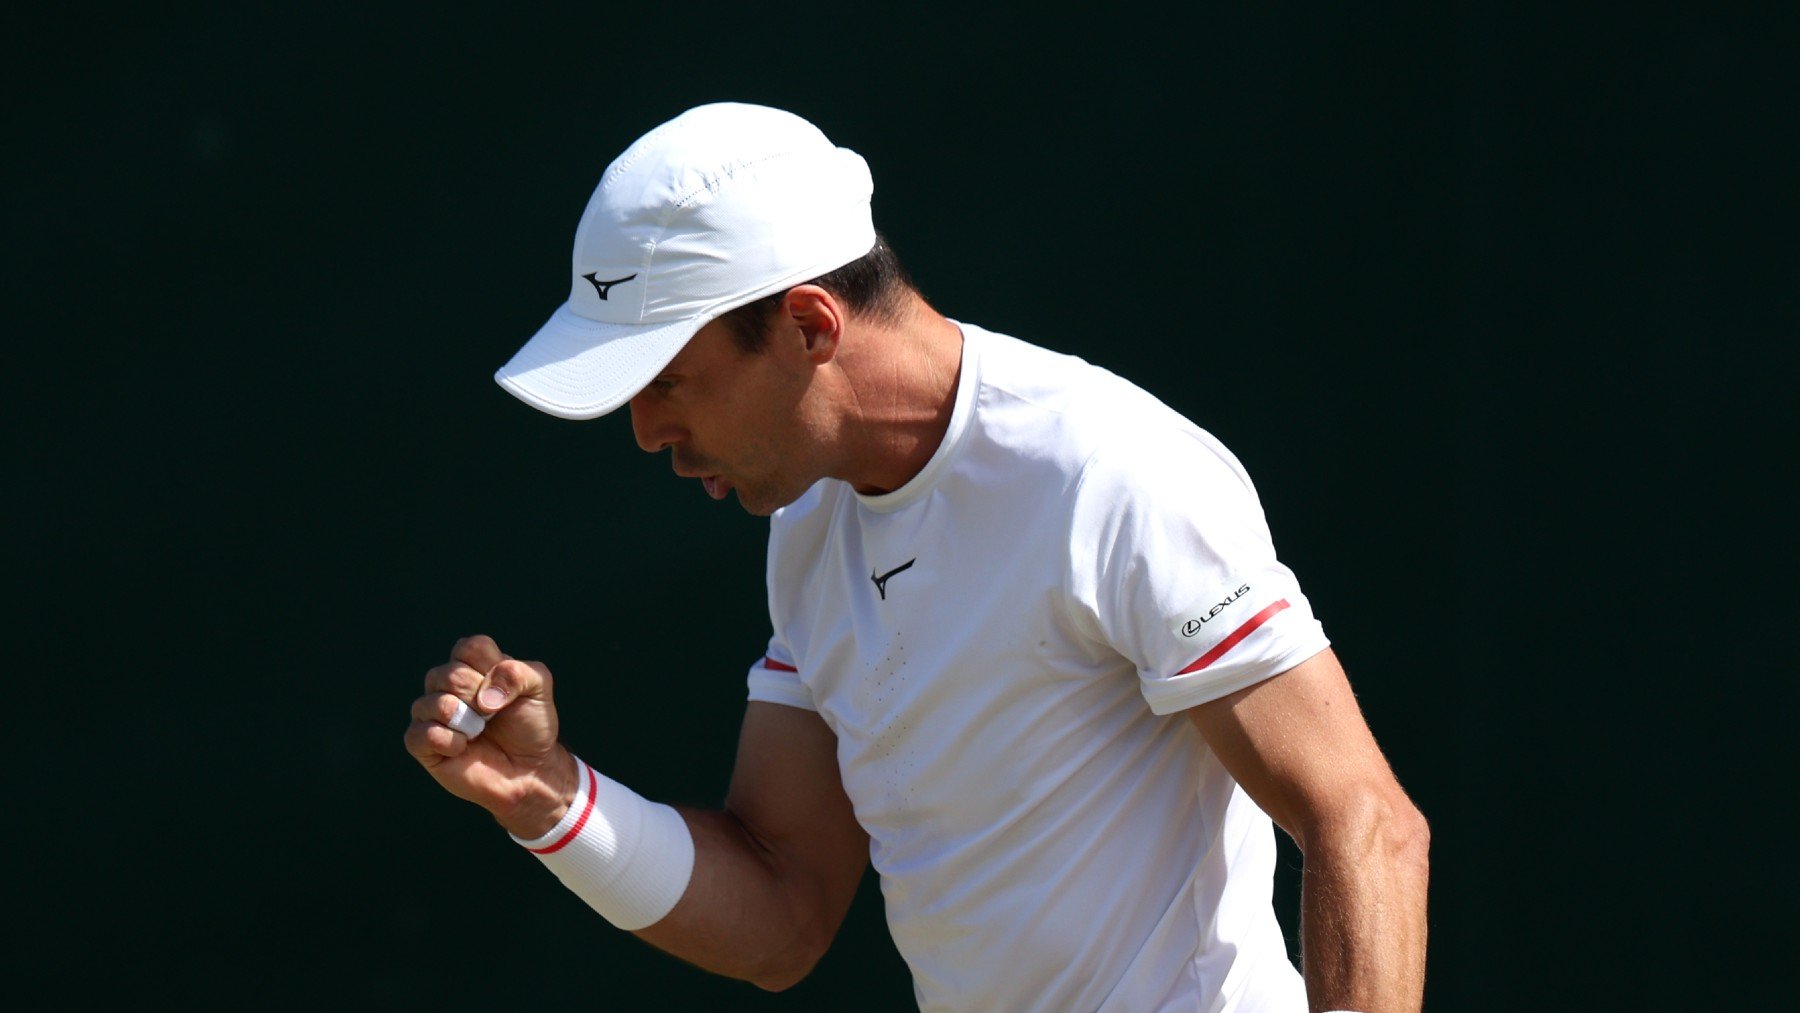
(872, 285)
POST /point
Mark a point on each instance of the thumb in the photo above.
(508, 681)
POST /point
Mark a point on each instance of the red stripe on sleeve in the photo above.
(775, 666)
(581, 821)
(1236, 637)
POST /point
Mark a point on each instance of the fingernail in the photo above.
(492, 698)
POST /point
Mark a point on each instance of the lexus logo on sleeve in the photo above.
(1194, 625)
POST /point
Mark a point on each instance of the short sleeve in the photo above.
(1173, 561)
(774, 678)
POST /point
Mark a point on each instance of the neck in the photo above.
(899, 386)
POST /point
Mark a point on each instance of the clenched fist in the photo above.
(516, 770)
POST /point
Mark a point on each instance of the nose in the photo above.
(652, 423)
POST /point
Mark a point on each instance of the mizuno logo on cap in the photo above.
(603, 287)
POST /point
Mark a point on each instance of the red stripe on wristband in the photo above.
(581, 821)
(778, 666)
(1236, 635)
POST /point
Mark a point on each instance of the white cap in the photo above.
(716, 208)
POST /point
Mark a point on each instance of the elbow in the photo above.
(785, 966)
(1409, 839)
(784, 973)
(1402, 838)
(780, 982)
(1381, 826)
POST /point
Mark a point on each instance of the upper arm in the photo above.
(775, 871)
(1298, 745)
(788, 795)
(1173, 561)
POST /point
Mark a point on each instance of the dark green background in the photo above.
(1491, 302)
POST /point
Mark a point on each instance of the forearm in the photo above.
(703, 885)
(756, 891)
(1363, 908)
(752, 910)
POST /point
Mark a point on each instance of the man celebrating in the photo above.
(1033, 653)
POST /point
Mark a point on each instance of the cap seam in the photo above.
(786, 281)
(711, 184)
(680, 204)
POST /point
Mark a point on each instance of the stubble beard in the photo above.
(764, 500)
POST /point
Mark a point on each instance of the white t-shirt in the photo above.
(1002, 646)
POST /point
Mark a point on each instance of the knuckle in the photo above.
(444, 708)
(425, 708)
(474, 642)
(453, 677)
(433, 710)
(430, 740)
(463, 681)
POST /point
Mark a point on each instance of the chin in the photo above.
(760, 503)
(756, 509)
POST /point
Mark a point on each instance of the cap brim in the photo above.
(578, 368)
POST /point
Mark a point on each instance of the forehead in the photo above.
(707, 345)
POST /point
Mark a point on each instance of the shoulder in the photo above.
(1012, 370)
(1049, 402)
(1170, 460)
(1120, 431)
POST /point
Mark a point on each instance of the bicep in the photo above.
(1298, 745)
(788, 795)
(775, 872)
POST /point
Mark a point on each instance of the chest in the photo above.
(936, 643)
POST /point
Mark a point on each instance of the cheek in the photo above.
(767, 426)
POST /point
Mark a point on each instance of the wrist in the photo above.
(629, 858)
(544, 799)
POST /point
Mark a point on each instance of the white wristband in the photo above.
(629, 858)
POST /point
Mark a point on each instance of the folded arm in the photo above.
(773, 873)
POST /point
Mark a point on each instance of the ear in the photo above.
(818, 318)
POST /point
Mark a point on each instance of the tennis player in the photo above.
(1032, 651)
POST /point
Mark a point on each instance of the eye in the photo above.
(663, 384)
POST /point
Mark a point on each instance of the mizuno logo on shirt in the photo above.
(881, 581)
